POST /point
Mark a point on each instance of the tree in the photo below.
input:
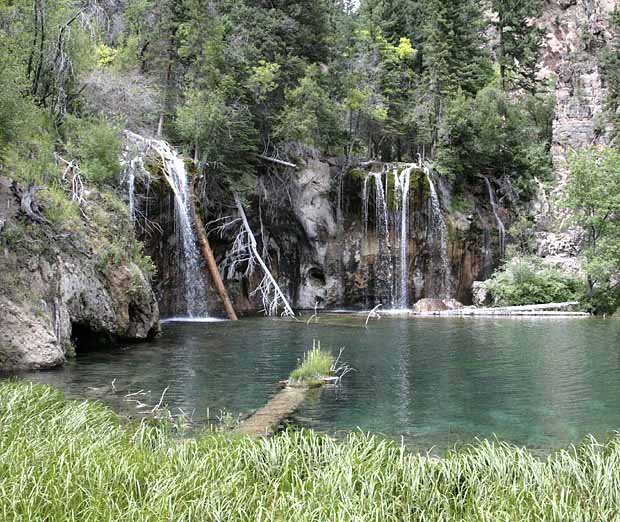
(310, 118)
(518, 41)
(454, 56)
(593, 193)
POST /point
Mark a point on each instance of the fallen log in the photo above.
(266, 421)
(278, 161)
(207, 253)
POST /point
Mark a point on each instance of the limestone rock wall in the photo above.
(59, 290)
(323, 253)
(577, 32)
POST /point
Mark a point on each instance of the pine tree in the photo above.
(518, 41)
(454, 56)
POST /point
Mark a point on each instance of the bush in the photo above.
(527, 280)
(96, 144)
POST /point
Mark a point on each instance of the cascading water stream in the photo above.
(365, 208)
(401, 191)
(176, 174)
(501, 229)
(131, 184)
(441, 284)
(383, 271)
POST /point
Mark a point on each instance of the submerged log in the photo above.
(266, 421)
(207, 253)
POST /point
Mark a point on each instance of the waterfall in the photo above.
(194, 291)
(501, 229)
(401, 192)
(176, 174)
(441, 277)
(383, 265)
(365, 207)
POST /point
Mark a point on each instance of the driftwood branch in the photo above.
(269, 283)
(373, 313)
(278, 161)
(28, 203)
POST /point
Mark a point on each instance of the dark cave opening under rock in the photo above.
(86, 340)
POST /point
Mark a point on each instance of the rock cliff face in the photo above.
(327, 249)
(577, 32)
(64, 290)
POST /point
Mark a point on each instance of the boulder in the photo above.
(62, 291)
(428, 305)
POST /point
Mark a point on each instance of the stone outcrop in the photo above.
(430, 305)
(62, 290)
(577, 32)
(324, 254)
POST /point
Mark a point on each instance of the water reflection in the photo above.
(436, 382)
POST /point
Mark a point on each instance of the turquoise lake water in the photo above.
(434, 382)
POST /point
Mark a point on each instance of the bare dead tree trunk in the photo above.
(269, 278)
(207, 253)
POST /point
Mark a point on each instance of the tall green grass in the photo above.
(315, 365)
(71, 461)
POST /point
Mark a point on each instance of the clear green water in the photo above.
(543, 383)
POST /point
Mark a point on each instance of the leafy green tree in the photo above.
(492, 135)
(310, 118)
(454, 56)
(593, 193)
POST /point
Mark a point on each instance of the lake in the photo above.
(434, 382)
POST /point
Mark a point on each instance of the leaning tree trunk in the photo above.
(210, 259)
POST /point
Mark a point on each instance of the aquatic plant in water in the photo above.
(314, 368)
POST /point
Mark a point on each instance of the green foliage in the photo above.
(519, 41)
(593, 194)
(65, 460)
(522, 233)
(309, 117)
(58, 209)
(527, 280)
(492, 135)
(96, 146)
(316, 365)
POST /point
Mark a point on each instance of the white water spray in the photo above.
(501, 229)
(401, 191)
(175, 172)
(173, 168)
(442, 287)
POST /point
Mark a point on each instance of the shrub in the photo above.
(96, 145)
(527, 280)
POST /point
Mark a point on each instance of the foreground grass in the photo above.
(62, 460)
(315, 365)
